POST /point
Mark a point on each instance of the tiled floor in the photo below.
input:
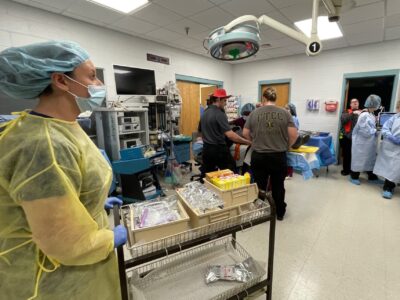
(338, 241)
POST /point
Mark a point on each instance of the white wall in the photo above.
(311, 77)
(21, 25)
(319, 77)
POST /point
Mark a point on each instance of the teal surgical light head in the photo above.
(240, 42)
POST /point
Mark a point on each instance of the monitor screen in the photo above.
(134, 81)
(383, 117)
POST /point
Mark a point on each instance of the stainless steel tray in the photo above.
(182, 275)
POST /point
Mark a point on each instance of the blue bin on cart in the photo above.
(182, 152)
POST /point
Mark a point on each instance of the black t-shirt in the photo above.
(213, 125)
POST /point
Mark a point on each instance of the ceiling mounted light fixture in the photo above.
(238, 40)
(326, 30)
(124, 6)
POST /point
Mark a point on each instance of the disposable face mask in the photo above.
(97, 94)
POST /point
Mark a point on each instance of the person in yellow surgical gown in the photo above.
(54, 236)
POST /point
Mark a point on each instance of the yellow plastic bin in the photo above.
(244, 194)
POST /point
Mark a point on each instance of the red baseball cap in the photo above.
(220, 93)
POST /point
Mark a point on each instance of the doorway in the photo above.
(194, 92)
(361, 88)
(361, 85)
(282, 88)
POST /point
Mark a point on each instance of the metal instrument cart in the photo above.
(145, 253)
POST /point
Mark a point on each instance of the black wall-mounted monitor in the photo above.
(134, 81)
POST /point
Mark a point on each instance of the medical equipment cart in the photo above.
(183, 242)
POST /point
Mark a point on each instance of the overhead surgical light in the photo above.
(238, 40)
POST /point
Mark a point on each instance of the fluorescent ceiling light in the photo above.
(125, 6)
(326, 30)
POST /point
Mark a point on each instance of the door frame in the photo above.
(199, 80)
(346, 76)
(274, 81)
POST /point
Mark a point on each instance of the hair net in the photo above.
(292, 109)
(373, 101)
(247, 109)
(26, 71)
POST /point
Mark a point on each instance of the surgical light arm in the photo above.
(311, 49)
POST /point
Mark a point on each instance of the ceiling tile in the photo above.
(188, 43)
(286, 3)
(334, 43)
(56, 6)
(158, 15)
(392, 7)
(392, 21)
(392, 33)
(92, 11)
(278, 16)
(364, 32)
(363, 27)
(286, 41)
(248, 7)
(298, 12)
(261, 55)
(277, 52)
(164, 35)
(213, 18)
(364, 2)
(270, 35)
(132, 24)
(86, 19)
(363, 13)
(218, 2)
(297, 49)
(194, 28)
(183, 8)
(202, 35)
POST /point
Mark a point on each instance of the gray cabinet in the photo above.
(120, 128)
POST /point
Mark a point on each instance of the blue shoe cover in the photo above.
(355, 181)
(387, 195)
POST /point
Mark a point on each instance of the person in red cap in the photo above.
(215, 128)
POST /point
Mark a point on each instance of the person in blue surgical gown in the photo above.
(388, 161)
(364, 137)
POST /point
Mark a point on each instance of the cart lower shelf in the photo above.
(182, 275)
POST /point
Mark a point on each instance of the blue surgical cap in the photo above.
(247, 108)
(26, 71)
(373, 101)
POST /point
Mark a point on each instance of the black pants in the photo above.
(389, 186)
(217, 157)
(356, 175)
(272, 166)
(345, 144)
